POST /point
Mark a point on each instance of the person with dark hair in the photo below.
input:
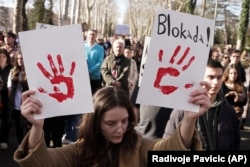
(11, 46)
(235, 59)
(17, 83)
(106, 137)
(5, 68)
(133, 72)
(218, 127)
(107, 45)
(214, 54)
(234, 89)
(1, 39)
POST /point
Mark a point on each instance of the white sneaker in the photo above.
(3, 146)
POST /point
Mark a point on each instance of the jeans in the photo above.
(72, 122)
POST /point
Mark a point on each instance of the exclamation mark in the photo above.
(160, 55)
(208, 35)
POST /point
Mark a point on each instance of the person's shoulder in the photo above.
(86, 45)
(9, 66)
(126, 59)
(227, 109)
(133, 61)
(110, 57)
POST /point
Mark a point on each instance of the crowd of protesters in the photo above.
(116, 62)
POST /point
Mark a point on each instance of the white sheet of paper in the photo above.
(144, 58)
(180, 73)
(65, 42)
(43, 26)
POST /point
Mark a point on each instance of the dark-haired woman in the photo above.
(17, 83)
(107, 137)
(5, 68)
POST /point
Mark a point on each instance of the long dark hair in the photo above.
(15, 72)
(6, 53)
(94, 148)
(238, 83)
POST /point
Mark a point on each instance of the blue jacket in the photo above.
(94, 56)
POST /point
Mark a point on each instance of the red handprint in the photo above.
(58, 79)
(168, 89)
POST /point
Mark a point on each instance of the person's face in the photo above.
(19, 60)
(118, 48)
(134, 45)
(225, 58)
(114, 124)
(127, 53)
(215, 55)
(214, 77)
(140, 52)
(235, 58)
(9, 40)
(91, 36)
(3, 59)
(232, 76)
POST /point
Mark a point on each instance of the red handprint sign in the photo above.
(58, 78)
(171, 71)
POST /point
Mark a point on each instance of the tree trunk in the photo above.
(18, 20)
(24, 16)
(243, 25)
(65, 9)
(59, 12)
(191, 6)
(89, 7)
(72, 15)
(77, 11)
(203, 8)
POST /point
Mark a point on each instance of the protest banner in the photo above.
(57, 70)
(176, 60)
(43, 26)
(144, 58)
(122, 29)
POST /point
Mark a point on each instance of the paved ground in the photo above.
(6, 159)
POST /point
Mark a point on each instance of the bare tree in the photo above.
(77, 11)
(59, 12)
(89, 7)
(65, 9)
(203, 8)
(72, 13)
(243, 25)
(18, 19)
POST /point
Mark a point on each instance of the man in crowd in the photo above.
(94, 55)
(219, 127)
(115, 68)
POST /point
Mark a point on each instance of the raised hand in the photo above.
(172, 71)
(58, 78)
(233, 94)
(31, 106)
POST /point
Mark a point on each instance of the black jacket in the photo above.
(218, 128)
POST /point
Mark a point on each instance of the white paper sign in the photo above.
(176, 60)
(122, 29)
(144, 58)
(57, 70)
(43, 26)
